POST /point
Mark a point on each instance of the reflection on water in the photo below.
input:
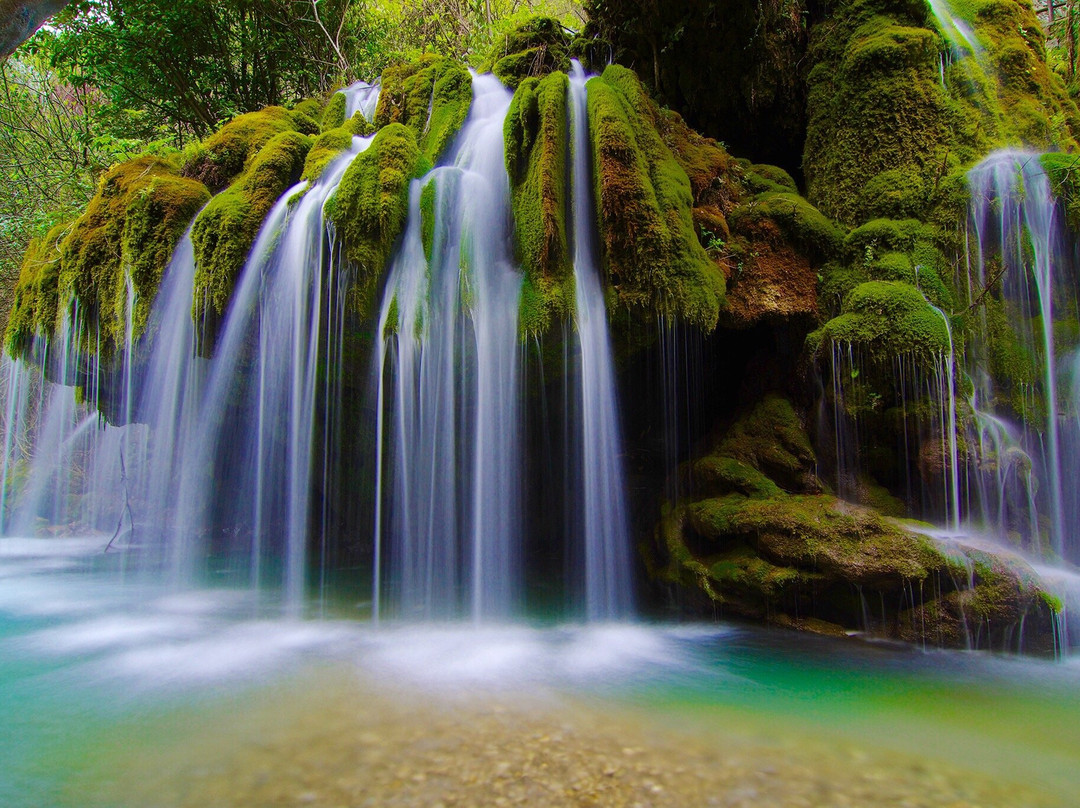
(120, 694)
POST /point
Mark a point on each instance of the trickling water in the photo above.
(608, 580)
(1015, 219)
(957, 31)
(361, 97)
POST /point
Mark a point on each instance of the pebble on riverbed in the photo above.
(346, 745)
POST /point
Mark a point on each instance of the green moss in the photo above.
(157, 217)
(797, 218)
(427, 218)
(103, 246)
(310, 108)
(650, 248)
(370, 207)
(744, 569)
(536, 48)
(1064, 173)
(888, 235)
(1016, 370)
(431, 96)
(333, 117)
(845, 541)
(536, 133)
(227, 227)
(895, 266)
(886, 319)
(722, 475)
(223, 156)
(887, 136)
(326, 147)
(35, 305)
(771, 438)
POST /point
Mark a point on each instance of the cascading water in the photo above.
(957, 31)
(361, 97)
(1021, 241)
(449, 380)
(608, 581)
(151, 480)
(211, 464)
(448, 376)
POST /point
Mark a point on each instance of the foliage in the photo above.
(191, 64)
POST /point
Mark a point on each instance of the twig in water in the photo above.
(127, 506)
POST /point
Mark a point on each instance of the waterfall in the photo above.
(449, 379)
(210, 467)
(450, 413)
(957, 32)
(361, 97)
(608, 581)
(1020, 237)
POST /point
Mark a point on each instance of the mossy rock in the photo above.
(35, 305)
(326, 147)
(431, 96)
(841, 541)
(718, 475)
(157, 218)
(140, 211)
(333, 116)
(650, 248)
(891, 131)
(772, 439)
(222, 157)
(803, 224)
(537, 133)
(886, 319)
(370, 207)
(534, 49)
(226, 229)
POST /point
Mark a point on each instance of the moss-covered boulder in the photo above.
(892, 129)
(887, 319)
(333, 115)
(370, 207)
(431, 96)
(220, 159)
(325, 148)
(535, 48)
(650, 248)
(226, 229)
(130, 227)
(35, 306)
(537, 133)
(755, 538)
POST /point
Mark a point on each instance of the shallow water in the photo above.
(122, 694)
